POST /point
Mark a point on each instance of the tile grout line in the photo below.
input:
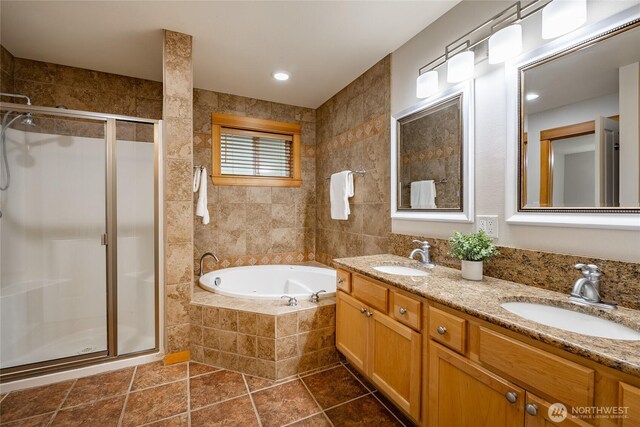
(62, 402)
(253, 404)
(315, 400)
(215, 403)
(349, 401)
(358, 379)
(126, 398)
(387, 408)
(189, 393)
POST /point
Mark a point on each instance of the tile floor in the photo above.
(193, 394)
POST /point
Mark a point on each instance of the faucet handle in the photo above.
(293, 301)
(424, 244)
(315, 297)
(588, 268)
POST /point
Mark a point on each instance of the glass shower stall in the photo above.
(79, 241)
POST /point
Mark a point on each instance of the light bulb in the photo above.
(427, 84)
(461, 67)
(505, 44)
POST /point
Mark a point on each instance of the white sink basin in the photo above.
(399, 270)
(571, 321)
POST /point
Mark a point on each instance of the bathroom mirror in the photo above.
(430, 152)
(579, 142)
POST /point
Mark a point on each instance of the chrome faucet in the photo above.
(202, 258)
(293, 301)
(315, 297)
(423, 251)
(586, 290)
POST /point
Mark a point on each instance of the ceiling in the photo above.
(588, 73)
(237, 45)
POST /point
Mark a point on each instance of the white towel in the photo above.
(196, 179)
(423, 194)
(201, 207)
(340, 189)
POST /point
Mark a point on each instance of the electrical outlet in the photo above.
(489, 224)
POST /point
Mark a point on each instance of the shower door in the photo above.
(53, 263)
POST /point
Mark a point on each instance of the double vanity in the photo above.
(452, 352)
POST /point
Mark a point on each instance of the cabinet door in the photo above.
(630, 399)
(351, 330)
(463, 394)
(537, 415)
(394, 361)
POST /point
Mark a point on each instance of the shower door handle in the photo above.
(103, 239)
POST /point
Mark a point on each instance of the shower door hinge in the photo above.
(103, 239)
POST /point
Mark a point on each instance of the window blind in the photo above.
(251, 153)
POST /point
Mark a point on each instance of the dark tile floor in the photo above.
(193, 394)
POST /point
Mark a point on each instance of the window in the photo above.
(256, 152)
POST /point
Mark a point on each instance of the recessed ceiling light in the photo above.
(531, 96)
(281, 75)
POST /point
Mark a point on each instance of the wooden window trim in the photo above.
(250, 124)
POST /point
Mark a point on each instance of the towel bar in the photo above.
(358, 172)
(441, 181)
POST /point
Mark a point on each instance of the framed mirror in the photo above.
(575, 153)
(431, 158)
(579, 124)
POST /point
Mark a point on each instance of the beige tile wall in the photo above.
(6, 72)
(352, 132)
(262, 345)
(255, 225)
(178, 118)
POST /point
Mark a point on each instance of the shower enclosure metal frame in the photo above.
(110, 241)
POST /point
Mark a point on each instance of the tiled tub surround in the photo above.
(482, 299)
(266, 339)
(255, 225)
(619, 284)
(193, 394)
(352, 132)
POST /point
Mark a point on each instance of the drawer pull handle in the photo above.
(368, 314)
(511, 396)
(340, 281)
(402, 310)
(532, 409)
(441, 330)
(363, 310)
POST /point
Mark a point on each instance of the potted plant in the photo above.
(472, 249)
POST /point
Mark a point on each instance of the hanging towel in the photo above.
(196, 179)
(340, 189)
(201, 207)
(423, 194)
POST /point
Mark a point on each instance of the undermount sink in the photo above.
(571, 321)
(399, 270)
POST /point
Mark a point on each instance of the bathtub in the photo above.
(270, 282)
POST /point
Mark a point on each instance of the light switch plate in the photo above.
(489, 224)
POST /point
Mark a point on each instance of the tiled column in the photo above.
(177, 114)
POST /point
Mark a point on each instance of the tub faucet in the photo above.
(202, 258)
(423, 251)
(315, 297)
(292, 300)
(586, 290)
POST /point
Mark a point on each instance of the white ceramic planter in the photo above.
(472, 270)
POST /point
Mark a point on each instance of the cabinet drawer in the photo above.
(343, 280)
(406, 310)
(561, 379)
(370, 293)
(448, 329)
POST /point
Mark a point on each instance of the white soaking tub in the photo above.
(270, 282)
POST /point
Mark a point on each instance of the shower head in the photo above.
(28, 120)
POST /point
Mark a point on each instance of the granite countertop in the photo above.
(482, 299)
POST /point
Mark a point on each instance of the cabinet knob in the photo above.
(340, 281)
(441, 330)
(368, 314)
(362, 310)
(402, 310)
(511, 396)
(532, 409)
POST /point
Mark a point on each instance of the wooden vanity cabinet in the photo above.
(629, 398)
(537, 414)
(385, 350)
(463, 394)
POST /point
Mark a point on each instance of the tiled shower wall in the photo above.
(255, 225)
(353, 133)
(6, 71)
